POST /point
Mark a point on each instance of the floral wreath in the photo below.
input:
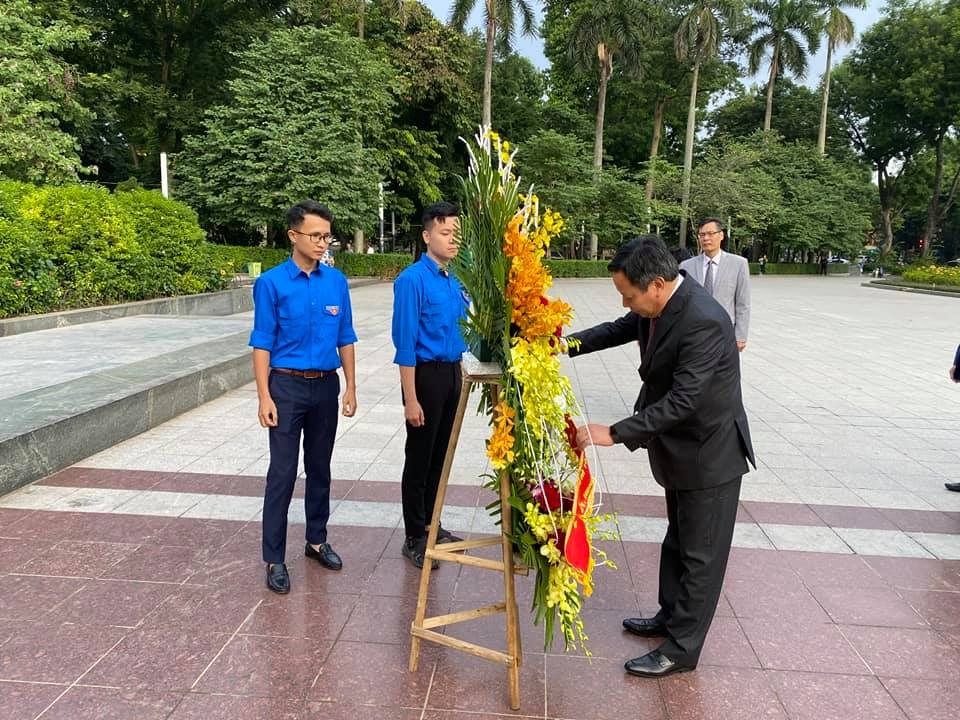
(504, 239)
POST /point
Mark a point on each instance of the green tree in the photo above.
(789, 30)
(38, 96)
(500, 22)
(697, 40)
(606, 30)
(838, 28)
(302, 105)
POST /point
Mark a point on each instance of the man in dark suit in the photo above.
(690, 418)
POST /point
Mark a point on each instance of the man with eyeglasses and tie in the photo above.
(302, 334)
(723, 275)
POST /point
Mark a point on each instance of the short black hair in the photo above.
(642, 259)
(298, 212)
(438, 210)
(712, 219)
(680, 253)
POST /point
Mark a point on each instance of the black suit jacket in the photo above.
(689, 414)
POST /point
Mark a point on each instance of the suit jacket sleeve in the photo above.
(700, 351)
(741, 324)
(606, 335)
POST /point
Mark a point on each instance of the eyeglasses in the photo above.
(315, 238)
(708, 233)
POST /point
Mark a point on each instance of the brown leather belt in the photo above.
(307, 374)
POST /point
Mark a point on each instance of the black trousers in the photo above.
(308, 408)
(693, 561)
(438, 391)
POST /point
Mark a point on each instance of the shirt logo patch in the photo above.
(332, 309)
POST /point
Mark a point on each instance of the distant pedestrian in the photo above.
(763, 264)
(302, 333)
(823, 264)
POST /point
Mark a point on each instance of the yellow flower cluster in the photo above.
(500, 444)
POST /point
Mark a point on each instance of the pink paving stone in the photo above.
(941, 608)
(784, 513)
(713, 693)
(204, 609)
(383, 619)
(158, 659)
(78, 559)
(265, 666)
(25, 701)
(467, 683)
(785, 645)
(925, 699)
(917, 573)
(608, 639)
(764, 565)
(303, 615)
(17, 552)
(200, 706)
(375, 673)
(197, 534)
(924, 521)
(598, 689)
(10, 516)
(899, 652)
(155, 563)
(94, 703)
(640, 505)
(28, 597)
(78, 476)
(396, 577)
(825, 569)
(349, 711)
(110, 602)
(727, 645)
(54, 653)
(853, 517)
(856, 605)
(770, 600)
(820, 696)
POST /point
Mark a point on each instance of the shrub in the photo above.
(577, 268)
(932, 275)
(381, 265)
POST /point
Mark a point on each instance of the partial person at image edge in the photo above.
(955, 376)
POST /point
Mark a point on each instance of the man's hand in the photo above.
(267, 415)
(593, 435)
(348, 402)
(741, 344)
(413, 413)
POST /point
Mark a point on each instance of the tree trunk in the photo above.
(658, 109)
(688, 154)
(488, 63)
(361, 12)
(933, 209)
(822, 136)
(605, 72)
(768, 114)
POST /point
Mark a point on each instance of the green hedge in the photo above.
(238, 256)
(78, 246)
(578, 268)
(933, 275)
(382, 265)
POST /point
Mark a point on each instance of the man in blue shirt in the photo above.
(428, 303)
(302, 332)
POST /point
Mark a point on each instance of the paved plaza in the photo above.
(131, 584)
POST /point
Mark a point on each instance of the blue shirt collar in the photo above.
(432, 264)
(293, 269)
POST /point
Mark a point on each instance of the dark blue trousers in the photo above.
(308, 408)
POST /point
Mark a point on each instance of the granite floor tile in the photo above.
(727, 645)
(854, 605)
(205, 609)
(763, 565)
(384, 619)
(606, 638)
(55, 653)
(940, 545)
(903, 653)
(924, 520)
(167, 659)
(782, 513)
(17, 552)
(802, 646)
(821, 569)
(917, 573)
(377, 673)
(113, 528)
(854, 517)
(113, 602)
(301, 615)
(200, 706)
(598, 689)
(70, 558)
(941, 608)
(711, 693)
(10, 516)
(79, 476)
(804, 538)
(770, 600)
(155, 563)
(465, 683)
(25, 701)
(396, 577)
(95, 703)
(265, 666)
(29, 597)
(925, 699)
(196, 534)
(348, 711)
(882, 542)
(819, 696)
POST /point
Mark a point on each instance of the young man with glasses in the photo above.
(302, 334)
(428, 304)
(726, 277)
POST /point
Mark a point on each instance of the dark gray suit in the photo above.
(690, 418)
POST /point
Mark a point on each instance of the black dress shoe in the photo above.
(324, 555)
(952, 486)
(645, 627)
(654, 665)
(445, 536)
(278, 579)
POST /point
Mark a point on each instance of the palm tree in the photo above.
(839, 31)
(606, 30)
(697, 39)
(500, 21)
(789, 30)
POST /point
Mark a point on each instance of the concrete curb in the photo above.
(905, 288)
